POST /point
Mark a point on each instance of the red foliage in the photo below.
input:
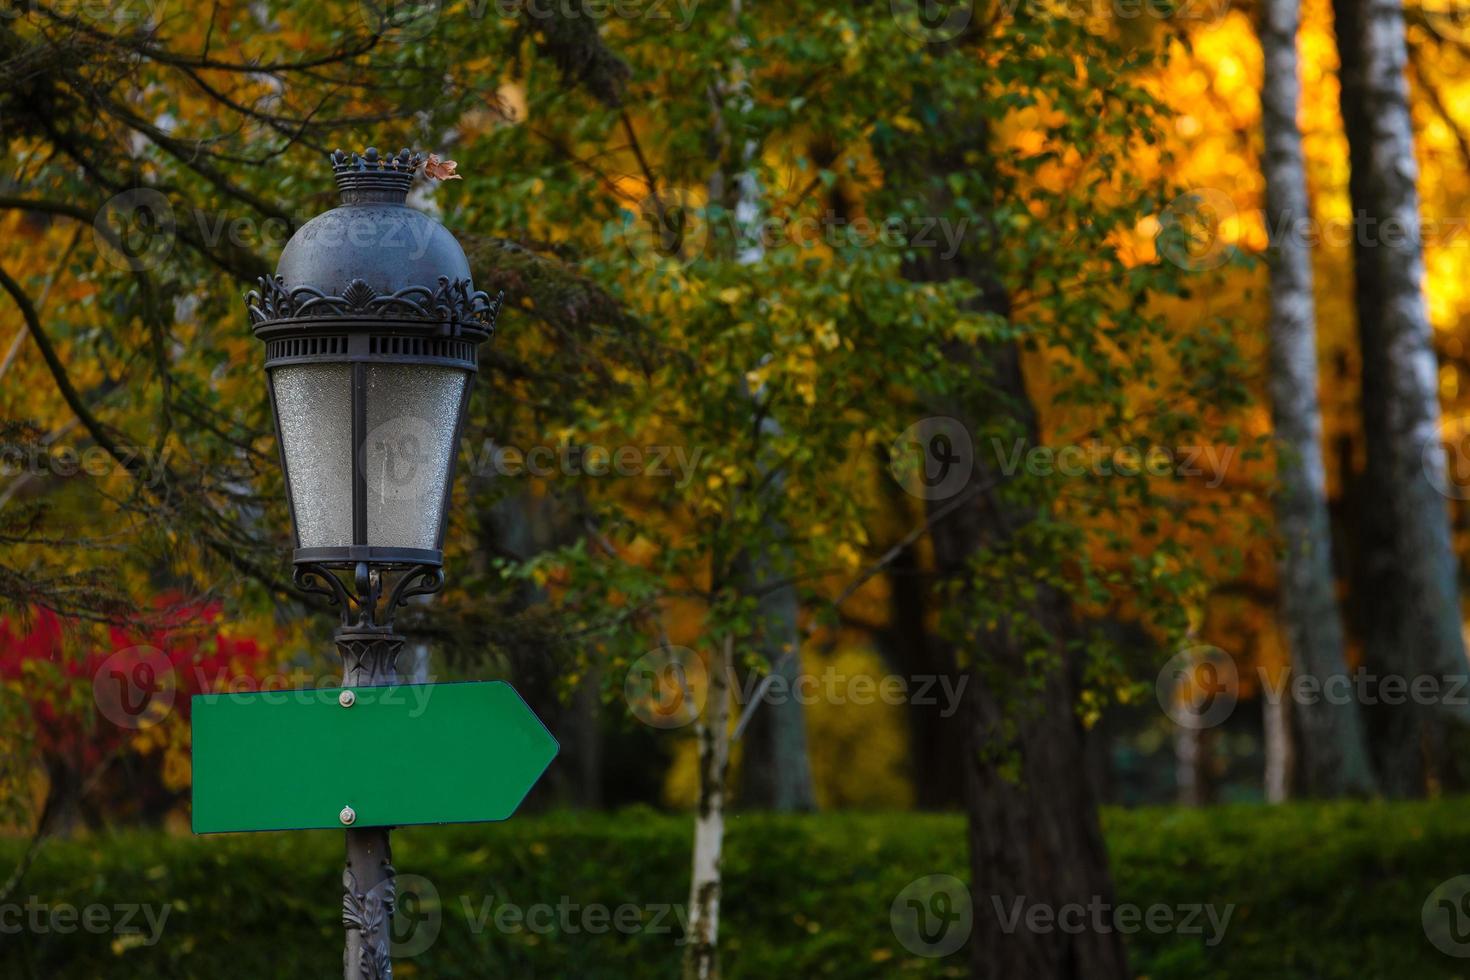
(89, 694)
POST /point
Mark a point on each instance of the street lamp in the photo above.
(372, 327)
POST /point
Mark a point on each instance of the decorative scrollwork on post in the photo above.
(367, 909)
(422, 580)
(369, 654)
(316, 580)
(361, 603)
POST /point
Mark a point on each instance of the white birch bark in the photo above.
(1280, 756)
(1334, 749)
(1409, 580)
(701, 958)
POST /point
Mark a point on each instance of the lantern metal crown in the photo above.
(372, 327)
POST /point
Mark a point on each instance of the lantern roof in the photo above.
(373, 262)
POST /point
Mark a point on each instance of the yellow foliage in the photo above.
(859, 751)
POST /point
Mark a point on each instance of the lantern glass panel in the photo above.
(314, 419)
(407, 456)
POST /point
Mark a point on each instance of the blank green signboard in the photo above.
(408, 754)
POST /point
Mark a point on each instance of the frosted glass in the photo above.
(314, 419)
(411, 415)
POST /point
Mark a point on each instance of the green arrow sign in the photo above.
(407, 754)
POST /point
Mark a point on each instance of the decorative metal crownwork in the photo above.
(452, 303)
(369, 169)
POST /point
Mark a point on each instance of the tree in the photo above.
(1014, 548)
(1408, 578)
(1332, 748)
(1034, 833)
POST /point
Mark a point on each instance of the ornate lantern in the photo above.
(372, 327)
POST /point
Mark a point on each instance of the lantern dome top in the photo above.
(388, 247)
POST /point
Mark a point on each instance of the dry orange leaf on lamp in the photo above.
(440, 169)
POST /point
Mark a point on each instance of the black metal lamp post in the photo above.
(372, 327)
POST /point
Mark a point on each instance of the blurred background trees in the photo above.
(773, 272)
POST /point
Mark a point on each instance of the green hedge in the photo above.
(1319, 891)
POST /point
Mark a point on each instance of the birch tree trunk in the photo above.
(775, 767)
(1190, 778)
(1334, 749)
(701, 956)
(1408, 577)
(775, 764)
(1280, 755)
